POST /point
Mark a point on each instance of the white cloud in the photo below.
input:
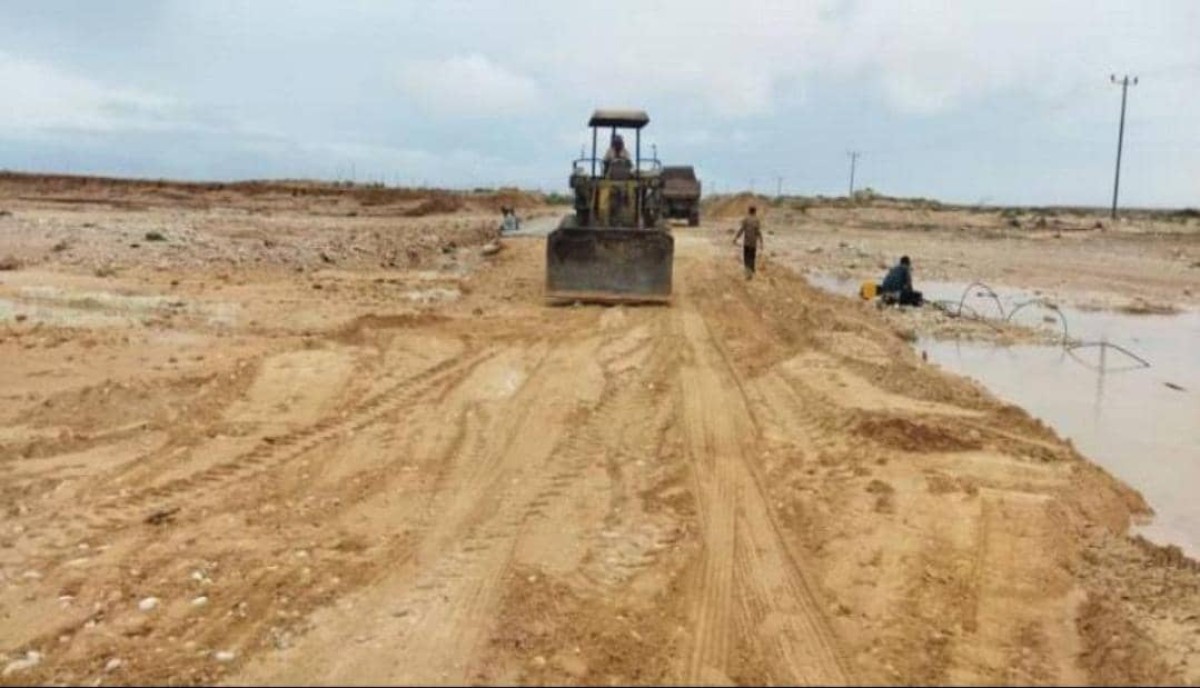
(693, 137)
(930, 56)
(468, 85)
(724, 58)
(368, 161)
(39, 97)
(736, 60)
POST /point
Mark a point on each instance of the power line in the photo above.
(1124, 81)
(853, 163)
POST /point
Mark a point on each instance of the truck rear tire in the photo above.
(694, 219)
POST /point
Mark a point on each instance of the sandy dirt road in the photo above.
(547, 452)
(344, 485)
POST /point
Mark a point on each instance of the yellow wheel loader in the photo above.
(616, 246)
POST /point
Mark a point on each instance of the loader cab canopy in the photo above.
(614, 119)
(622, 119)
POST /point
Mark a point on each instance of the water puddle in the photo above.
(537, 226)
(976, 299)
(835, 285)
(65, 308)
(429, 296)
(18, 311)
(1142, 424)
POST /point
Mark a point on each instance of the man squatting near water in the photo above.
(751, 229)
(898, 286)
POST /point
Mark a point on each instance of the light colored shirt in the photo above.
(752, 229)
(614, 154)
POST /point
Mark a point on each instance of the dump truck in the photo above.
(681, 193)
(615, 246)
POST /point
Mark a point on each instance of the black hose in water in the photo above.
(1067, 345)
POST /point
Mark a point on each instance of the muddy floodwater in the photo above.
(1140, 423)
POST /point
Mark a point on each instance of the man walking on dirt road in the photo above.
(752, 229)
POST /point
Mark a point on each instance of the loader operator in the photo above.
(616, 151)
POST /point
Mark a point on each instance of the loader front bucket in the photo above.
(606, 265)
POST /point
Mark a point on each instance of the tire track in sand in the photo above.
(748, 583)
(273, 452)
(426, 621)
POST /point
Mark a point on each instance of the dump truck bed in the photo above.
(680, 182)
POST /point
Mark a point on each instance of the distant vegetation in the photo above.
(868, 197)
(424, 200)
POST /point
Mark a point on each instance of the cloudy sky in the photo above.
(980, 101)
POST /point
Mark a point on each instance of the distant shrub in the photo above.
(866, 194)
(437, 203)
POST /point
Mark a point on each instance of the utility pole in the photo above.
(853, 161)
(778, 186)
(1125, 82)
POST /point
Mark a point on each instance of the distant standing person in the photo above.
(897, 284)
(751, 229)
(510, 223)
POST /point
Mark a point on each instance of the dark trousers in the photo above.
(905, 297)
(749, 253)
